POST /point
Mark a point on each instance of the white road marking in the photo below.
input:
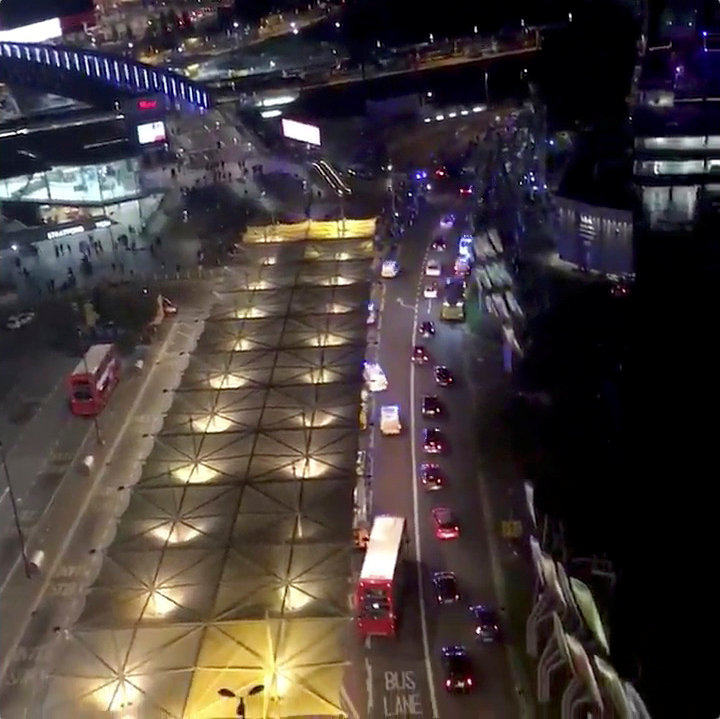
(368, 644)
(416, 520)
(369, 684)
(348, 703)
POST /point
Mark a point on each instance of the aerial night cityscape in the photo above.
(348, 359)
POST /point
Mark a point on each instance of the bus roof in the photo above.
(93, 358)
(383, 549)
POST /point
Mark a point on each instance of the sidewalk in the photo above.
(80, 522)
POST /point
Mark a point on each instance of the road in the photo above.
(304, 77)
(399, 678)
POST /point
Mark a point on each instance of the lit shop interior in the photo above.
(97, 184)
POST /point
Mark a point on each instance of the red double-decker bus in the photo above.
(93, 380)
(378, 596)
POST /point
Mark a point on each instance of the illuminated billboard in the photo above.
(36, 32)
(150, 133)
(300, 131)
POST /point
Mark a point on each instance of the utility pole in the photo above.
(16, 516)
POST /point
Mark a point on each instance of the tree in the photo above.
(128, 309)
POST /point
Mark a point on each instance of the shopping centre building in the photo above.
(79, 177)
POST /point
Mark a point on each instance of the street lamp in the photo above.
(16, 516)
(230, 694)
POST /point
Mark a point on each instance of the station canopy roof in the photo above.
(231, 566)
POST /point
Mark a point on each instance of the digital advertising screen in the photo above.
(150, 133)
(300, 131)
(35, 32)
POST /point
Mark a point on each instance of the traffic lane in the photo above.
(396, 674)
(396, 670)
(468, 556)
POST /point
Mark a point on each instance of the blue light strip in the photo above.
(137, 76)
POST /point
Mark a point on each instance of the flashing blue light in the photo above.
(704, 33)
(418, 175)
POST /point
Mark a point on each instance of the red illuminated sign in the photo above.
(147, 104)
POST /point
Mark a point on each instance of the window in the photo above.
(669, 167)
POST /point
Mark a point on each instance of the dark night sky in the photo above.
(14, 13)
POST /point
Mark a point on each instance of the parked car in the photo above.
(15, 322)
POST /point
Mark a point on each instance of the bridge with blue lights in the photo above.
(95, 77)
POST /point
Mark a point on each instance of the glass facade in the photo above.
(87, 184)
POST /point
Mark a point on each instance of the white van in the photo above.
(374, 377)
(390, 420)
(390, 269)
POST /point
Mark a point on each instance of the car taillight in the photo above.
(469, 682)
(448, 683)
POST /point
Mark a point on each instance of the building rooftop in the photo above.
(85, 139)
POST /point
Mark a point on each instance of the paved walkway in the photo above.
(80, 521)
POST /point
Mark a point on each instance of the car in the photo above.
(390, 420)
(461, 267)
(431, 476)
(426, 329)
(420, 355)
(438, 244)
(447, 220)
(446, 526)
(458, 669)
(375, 377)
(169, 308)
(466, 191)
(487, 623)
(431, 406)
(443, 376)
(389, 269)
(465, 245)
(433, 441)
(430, 291)
(15, 322)
(433, 269)
(446, 588)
